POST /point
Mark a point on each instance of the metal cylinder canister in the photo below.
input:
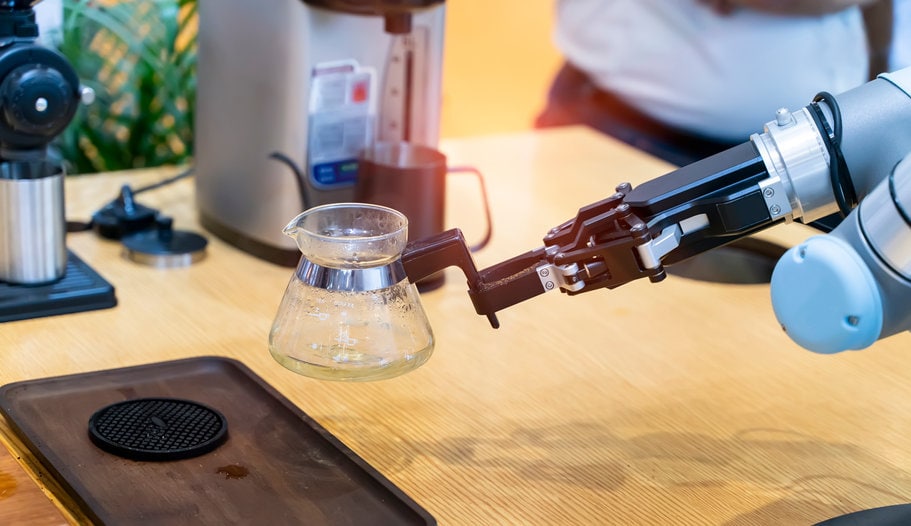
(32, 223)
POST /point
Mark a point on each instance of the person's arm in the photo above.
(788, 7)
(879, 20)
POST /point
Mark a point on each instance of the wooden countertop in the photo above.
(673, 403)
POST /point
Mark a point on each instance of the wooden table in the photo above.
(673, 403)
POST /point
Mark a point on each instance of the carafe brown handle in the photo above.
(491, 289)
(424, 257)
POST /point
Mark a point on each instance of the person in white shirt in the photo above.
(683, 79)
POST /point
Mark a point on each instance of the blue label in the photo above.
(335, 173)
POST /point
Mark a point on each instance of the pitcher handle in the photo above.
(489, 231)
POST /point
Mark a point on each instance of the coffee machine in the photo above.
(291, 91)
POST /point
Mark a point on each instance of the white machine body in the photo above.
(296, 87)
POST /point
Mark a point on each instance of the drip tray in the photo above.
(276, 465)
(81, 289)
(745, 261)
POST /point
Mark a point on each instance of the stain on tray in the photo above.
(233, 471)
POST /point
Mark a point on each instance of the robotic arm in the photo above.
(844, 290)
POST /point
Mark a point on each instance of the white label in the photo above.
(342, 114)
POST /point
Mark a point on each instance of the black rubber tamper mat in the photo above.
(157, 429)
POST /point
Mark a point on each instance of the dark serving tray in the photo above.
(278, 466)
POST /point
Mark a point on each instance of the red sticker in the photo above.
(359, 91)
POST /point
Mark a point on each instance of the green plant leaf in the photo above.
(140, 58)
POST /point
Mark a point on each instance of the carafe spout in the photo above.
(294, 228)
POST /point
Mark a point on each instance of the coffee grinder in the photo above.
(291, 91)
(39, 94)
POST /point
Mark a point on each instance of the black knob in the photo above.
(37, 100)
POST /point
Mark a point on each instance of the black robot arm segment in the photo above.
(711, 202)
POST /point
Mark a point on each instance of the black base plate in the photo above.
(80, 289)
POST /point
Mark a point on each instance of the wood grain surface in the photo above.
(673, 403)
(21, 500)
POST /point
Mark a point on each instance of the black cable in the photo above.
(829, 139)
(298, 175)
(843, 176)
(839, 175)
(165, 182)
(81, 226)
